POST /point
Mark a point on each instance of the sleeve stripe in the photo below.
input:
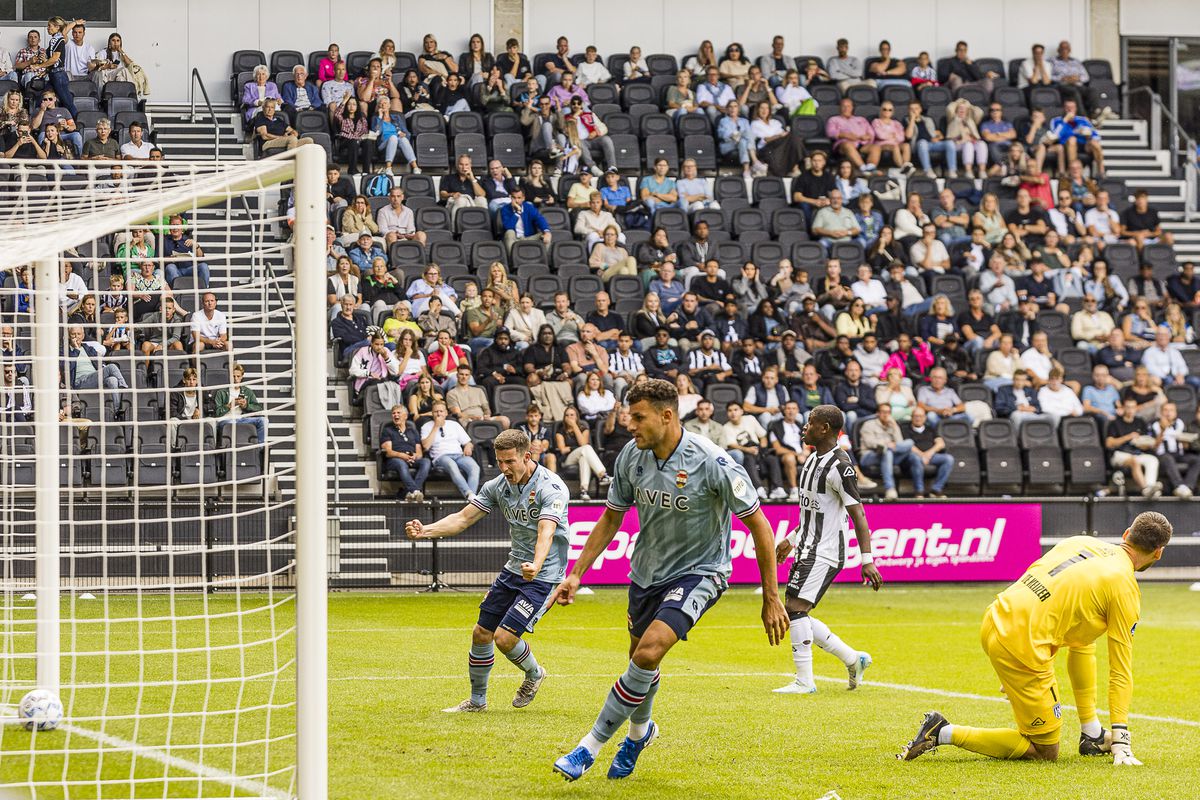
(749, 512)
(550, 517)
(621, 509)
(484, 508)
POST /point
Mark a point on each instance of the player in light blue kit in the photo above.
(534, 501)
(685, 489)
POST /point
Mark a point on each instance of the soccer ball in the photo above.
(40, 709)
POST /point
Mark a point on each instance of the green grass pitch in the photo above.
(397, 659)
(724, 734)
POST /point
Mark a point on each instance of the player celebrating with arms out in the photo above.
(828, 488)
(534, 501)
(684, 488)
(1082, 589)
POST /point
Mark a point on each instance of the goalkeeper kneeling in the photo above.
(1081, 590)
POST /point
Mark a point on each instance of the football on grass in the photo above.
(40, 709)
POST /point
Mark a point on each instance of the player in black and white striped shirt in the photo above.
(828, 489)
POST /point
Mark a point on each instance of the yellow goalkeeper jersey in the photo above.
(1080, 590)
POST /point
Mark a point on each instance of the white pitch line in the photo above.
(467, 627)
(156, 754)
(900, 687)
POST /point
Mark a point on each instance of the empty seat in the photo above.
(433, 152)
(662, 146)
(509, 149)
(473, 145)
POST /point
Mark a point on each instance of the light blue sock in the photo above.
(522, 658)
(623, 699)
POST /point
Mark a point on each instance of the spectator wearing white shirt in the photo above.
(396, 221)
(870, 289)
(693, 190)
(999, 290)
(1038, 360)
(1174, 454)
(1058, 401)
(72, 288)
(1164, 361)
(746, 441)
(210, 329)
(1090, 327)
(137, 148)
(636, 69)
(79, 56)
(591, 69)
(449, 448)
(593, 220)
(928, 254)
(1103, 222)
(712, 95)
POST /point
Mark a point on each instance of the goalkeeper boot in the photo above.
(1097, 746)
(926, 740)
(627, 754)
(575, 763)
(857, 669)
(529, 689)
(468, 706)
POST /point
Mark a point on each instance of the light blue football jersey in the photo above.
(543, 496)
(684, 506)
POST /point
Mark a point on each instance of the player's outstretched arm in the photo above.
(546, 528)
(774, 616)
(450, 525)
(597, 542)
(870, 574)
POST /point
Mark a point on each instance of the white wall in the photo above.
(1160, 18)
(997, 28)
(169, 37)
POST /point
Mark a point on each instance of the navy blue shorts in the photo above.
(514, 603)
(679, 603)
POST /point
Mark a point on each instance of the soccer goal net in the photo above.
(162, 478)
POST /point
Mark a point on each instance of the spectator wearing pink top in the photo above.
(561, 94)
(850, 134)
(327, 66)
(889, 137)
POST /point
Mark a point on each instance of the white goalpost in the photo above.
(163, 469)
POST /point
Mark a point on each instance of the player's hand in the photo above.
(414, 529)
(782, 551)
(775, 618)
(871, 577)
(1122, 750)
(564, 595)
(528, 570)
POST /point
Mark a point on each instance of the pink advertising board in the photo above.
(923, 542)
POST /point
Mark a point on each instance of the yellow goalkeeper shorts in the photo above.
(1032, 693)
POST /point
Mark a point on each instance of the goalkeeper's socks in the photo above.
(626, 695)
(522, 658)
(831, 643)
(639, 720)
(995, 742)
(480, 665)
(1091, 729)
(802, 639)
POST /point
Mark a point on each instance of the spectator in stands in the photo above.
(256, 93)
(853, 395)
(372, 364)
(872, 358)
(979, 328)
(626, 365)
(636, 70)
(587, 132)
(163, 330)
(755, 91)
(776, 64)
(1184, 287)
(1118, 357)
(50, 113)
(711, 289)
(145, 286)
(588, 355)
(1017, 400)
(591, 69)
(853, 137)
(445, 358)
(1146, 392)
(1173, 454)
(748, 289)
(337, 87)
(210, 330)
(499, 362)
(435, 320)
(1074, 131)
(239, 405)
(663, 360)
(892, 392)
(467, 402)
(400, 447)
(1140, 223)
(563, 320)
(482, 320)
(834, 223)
(928, 254)
(24, 145)
(274, 133)
(951, 219)
(573, 448)
(607, 323)
(1123, 437)
(427, 286)
(364, 254)
(1183, 336)
(1103, 222)
(704, 58)
(694, 192)
(83, 368)
(785, 438)
(537, 186)
(137, 148)
(461, 189)
(505, 288)
(16, 401)
(1102, 398)
(1035, 70)
(850, 183)
(392, 137)
(962, 121)
(962, 69)
(890, 137)
(680, 98)
(547, 370)
(84, 313)
(747, 360)
(104, 146)
(498, 185)
(928, 449)
(746, 440)
(452, 96)
(854, 323)
(523, 322)
(1090, 327)
(909, 221)
(396, 221)
(183, 256)
(645, 322)
(298, 94)
(767, 397)
(328, 63)
(1056, 399)
(998, 133)
(888, 71)
(422, 399)
(1070, 76)
(344, 280)
(566, 90)
(594, 403)
(881, 443)
(925, 139)
(118, 335)
(707, 364)
(347, 327)
(521, 220)
(810, 189)
(811, 326)
(714, 95)
(658, 188)
(450, 449)
(810, 393)
(939, 401)
(408, 355)
(540, 445)
(593, 222)
(846, 69)
(29, 62)
(1164, 362)
(1038, 359)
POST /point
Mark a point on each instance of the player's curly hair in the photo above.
(657, 392)
(1150, 531)
(829, 415)
(511, 439)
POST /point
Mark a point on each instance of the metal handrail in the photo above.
(1158, 110)
(197, 80)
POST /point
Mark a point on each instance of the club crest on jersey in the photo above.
(680, 479)
(533, 497)
(849, 472)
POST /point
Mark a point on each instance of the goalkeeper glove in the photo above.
(1122, 753)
